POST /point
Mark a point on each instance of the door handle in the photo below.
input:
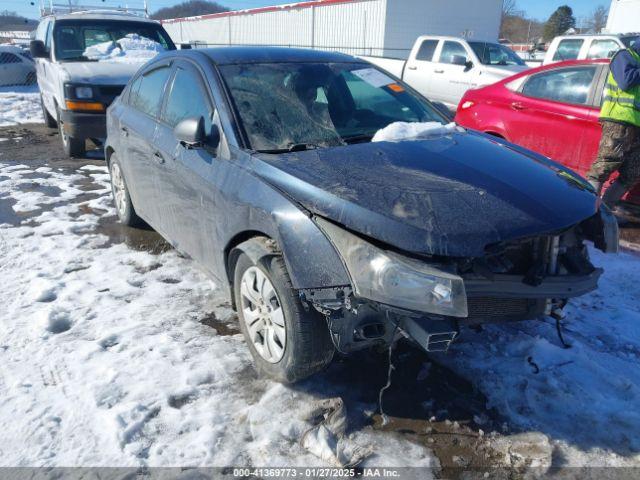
(125, 131)
(412, 68)
(158, 157)
(517, 106)
(438, 71)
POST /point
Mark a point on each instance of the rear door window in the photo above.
(566, 85)
(602, 49)
(568, 49)
(426, 51)
(146, 93)
(450, 50)
(188, 98)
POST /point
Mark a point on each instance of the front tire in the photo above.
(121, 198)
(73, 147)
(286, 342)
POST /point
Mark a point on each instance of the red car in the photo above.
(552, 110)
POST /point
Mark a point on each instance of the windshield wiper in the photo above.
(301, 147)
(363, 137)
(80, 58)
(292, 147)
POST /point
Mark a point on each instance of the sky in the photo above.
(538, 9)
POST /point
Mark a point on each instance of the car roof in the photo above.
(594, 35)
(234, 55)
(101, 15)
(12, 48)
(554, 66)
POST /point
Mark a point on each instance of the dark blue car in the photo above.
(259, 164)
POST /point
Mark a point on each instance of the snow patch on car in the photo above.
(20, 105)
(132, 48)
(398, 131)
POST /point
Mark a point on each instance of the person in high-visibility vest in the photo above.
(620, 117)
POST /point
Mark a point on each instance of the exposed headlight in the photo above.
(392, 279)
(84, 92)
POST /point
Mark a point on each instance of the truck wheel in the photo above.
(73, 147)
(49, 121)
(286, 342)
(121, 198)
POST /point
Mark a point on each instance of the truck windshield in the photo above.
(495, 54)
(288, 106)
(73, 37)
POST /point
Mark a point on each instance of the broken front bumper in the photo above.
(512, 286)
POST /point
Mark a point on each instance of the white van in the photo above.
(82, 67)
(444, 68)
(587, 47)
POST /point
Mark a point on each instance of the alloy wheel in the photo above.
(263, 315)
(119, 191)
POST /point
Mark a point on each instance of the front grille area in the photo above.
(503, 309)
(111, 90)
(108, 93)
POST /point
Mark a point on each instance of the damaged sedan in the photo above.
(337, 207)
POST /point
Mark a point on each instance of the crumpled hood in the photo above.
(451, 195)
(101, 73)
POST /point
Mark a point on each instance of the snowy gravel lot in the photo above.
(116, 351)
(20, 105)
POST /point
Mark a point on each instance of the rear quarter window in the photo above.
(568, 49)
(426, 51)
(146, 92)
(565, 85)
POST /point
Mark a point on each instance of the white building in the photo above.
(358, 27)
(624, 16)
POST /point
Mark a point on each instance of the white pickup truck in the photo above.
(444, 68)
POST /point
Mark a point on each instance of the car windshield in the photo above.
(72, 38)
(287, 106)
(495, 54)
(630, 41)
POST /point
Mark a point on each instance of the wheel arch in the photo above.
(108, 151)
(255, 244)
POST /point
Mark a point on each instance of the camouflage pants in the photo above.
(619, 150)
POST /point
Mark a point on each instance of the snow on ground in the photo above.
(585, 398)
(104, 360)
(131, 48)
(20, 105)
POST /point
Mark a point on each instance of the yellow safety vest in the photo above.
(621, 105)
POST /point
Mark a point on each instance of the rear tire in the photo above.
(49, 121)
(305, 348)
(121, 198)
(73, 147)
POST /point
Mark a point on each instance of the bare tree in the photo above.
(509, 8)
(597, 21)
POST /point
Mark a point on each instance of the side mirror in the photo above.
(459, 60)
(468, 65)
(37, 49)
(185, 46)
(190, 131)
